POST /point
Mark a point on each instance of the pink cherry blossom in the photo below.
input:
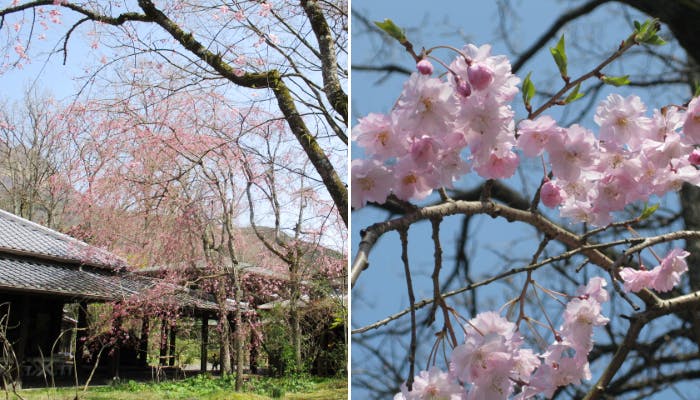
(376, 135)
(497, 166)
(636, 280)
(572, 152)
(426, 106)
(622, 121)
(595, 289)
(371, 181)
(672, 267)
(503, 87)
(432, 384)
(661, 278)
(580, 316)
(691, 126)
(410, 181)
(534, 134)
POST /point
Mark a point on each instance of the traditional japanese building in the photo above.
(42, 271)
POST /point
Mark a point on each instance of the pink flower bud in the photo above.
(480, 76)
(424, 67)
(463, 87)
(694, 157)
(551, 194)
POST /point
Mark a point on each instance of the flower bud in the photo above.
(550, 194)
(694, 157)
(480, 76)
(424, 67)
(463, 87)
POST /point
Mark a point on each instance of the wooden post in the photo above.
(171, 347)
(205, 341)
(163, 342)
(82, 333)
(116, 356)
(143, 342)
(253, 353)
(21, 345)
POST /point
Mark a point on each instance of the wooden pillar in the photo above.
(171, 346)
(21, 345)
(116, 355)
(116, 360)
(163, 342)
(82, 333)
(143, 342)
(205, 341)
(253, 353)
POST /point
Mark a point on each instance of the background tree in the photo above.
(663, 355)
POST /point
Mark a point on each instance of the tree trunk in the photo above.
(225, 358)
(294, 298)
(238, 343)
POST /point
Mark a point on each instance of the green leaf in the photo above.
(617, 80)
(648, 211)
(559, 54)
(574, 94)
(647, 32)
(528, 90)
(696, 88)
(392, 29)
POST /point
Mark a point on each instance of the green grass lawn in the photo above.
(203, 388)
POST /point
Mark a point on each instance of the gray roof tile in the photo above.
(21, 236)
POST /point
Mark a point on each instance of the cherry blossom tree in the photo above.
(462, 351)
(168, 97)
(266, 50)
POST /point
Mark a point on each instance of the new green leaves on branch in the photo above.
(574, 94)
(648, 211)
(392, 29)
(647, 32)
(559, 55)
(616, 80)
(528, 90)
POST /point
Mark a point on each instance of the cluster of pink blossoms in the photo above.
(661, 278)
(633, 157)
(493, 364)
(418, 146)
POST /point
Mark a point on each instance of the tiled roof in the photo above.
(36, 259)
(245, 268)
(23, 274)
(20, 236)
(29, 275)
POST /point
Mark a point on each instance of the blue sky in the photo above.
(380, 290)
